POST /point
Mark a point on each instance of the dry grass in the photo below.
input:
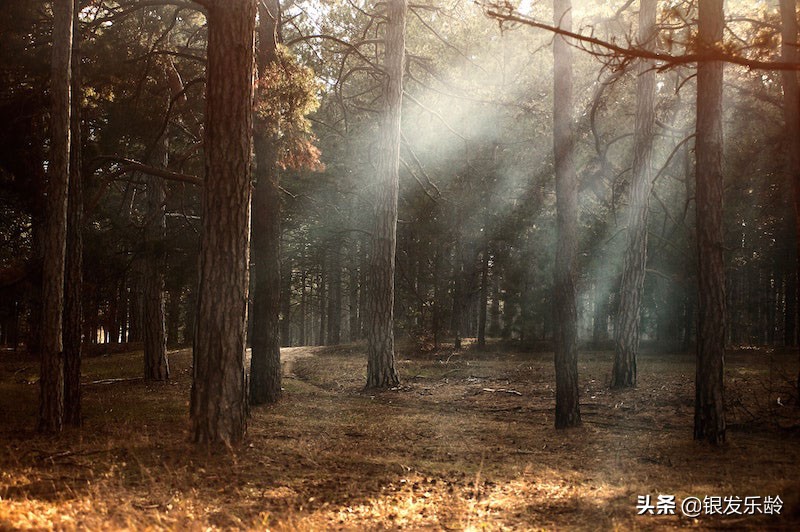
(455, 447)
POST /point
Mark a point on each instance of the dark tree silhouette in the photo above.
(566, 333)
(709, 414)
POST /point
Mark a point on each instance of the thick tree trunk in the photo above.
(566, 334)
(51, 404)
(73, 282)
(265, 363)
(219, 397)
(791, 110)
(626, 333)
(709, 417)
(381, 372)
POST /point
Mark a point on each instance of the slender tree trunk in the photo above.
(335, 298)
(303, 310)
(709, 418)
(73, 282)
(381, 372)
(626, 333)
(458, 294)
(219, 397)
(173, 317)
(286, 304)
(51, 404)
(156, 366)
(265, 363)
(566, 334)
(484, 298)
(494, 312)
(353, 289)
(323, 308)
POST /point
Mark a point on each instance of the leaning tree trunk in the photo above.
(381, 372)
(265, 363)
(219, 396)
(51, 404)
(791, 113)
(73, 282)
(626, 332)
(566, 335)
(709, 414)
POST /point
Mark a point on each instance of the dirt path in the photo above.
(289, 355)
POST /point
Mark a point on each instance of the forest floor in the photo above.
(467, 442)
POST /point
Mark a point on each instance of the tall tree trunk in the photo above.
(566, 334)
(73, 282)
(791, 110)
(381, 372)
(303, 306)
(353, 289)
(51, 404)
(323, 308)
(173, 317)
(265, 363)
(458, 293)
(156, 366)
(484, 298)
(286, 303)
(335, 298)
(219, 397)
(709, 417)
(626, 333)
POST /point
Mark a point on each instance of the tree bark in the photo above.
(484, 298)
(709, 418)
(156, 366)
(791, 110)
(626, 333)
(566, 334)
(219, 399)
(265, 363)
(73, 282)
(381, 372)
(335, 298)
(51, 404)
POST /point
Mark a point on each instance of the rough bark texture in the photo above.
(791, 112)
(265, 363)
(566, 333)
(709, 416)
(626, 332)
(381, 372)
(156, 366)
(219, 398)
(73, 281)
(51, 404)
